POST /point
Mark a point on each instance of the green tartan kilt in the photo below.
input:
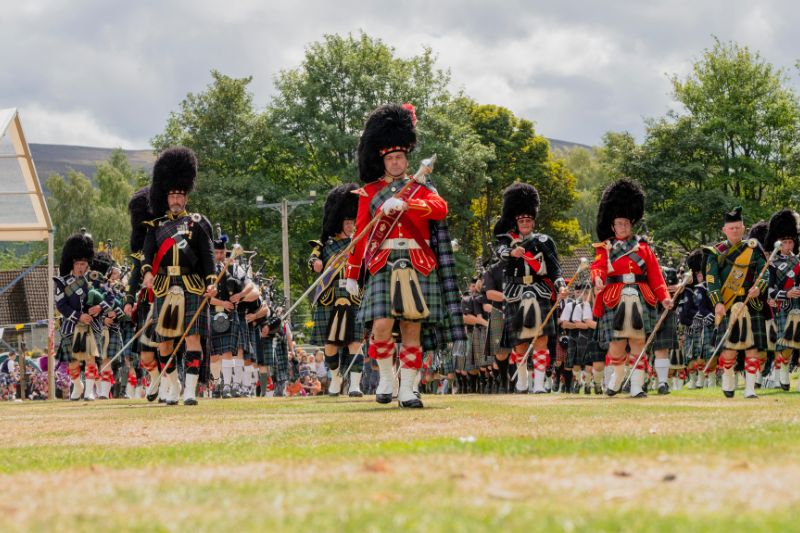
(478, 348)
(511, 335)
(758, 325)
(605, 326)
(494, 334)
(667, 336)
(191, 304)
(444, 361)
(781, 316)
(65, 348)
(376, 300)
(576, 348)
(700, 340)
(322, 315)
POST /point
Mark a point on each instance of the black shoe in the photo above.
(540, 392)
(162, 400)
(642, 394)
(226, 392)
(517, 391)
(88, 399)
(172, 402)
(728, 393)
(663, 389)
(611, 392)
(598, 389)
(753, 397)
(102, 397)
(355, 394)
(758, 385)
(587, 389)
(416, 403)
(75, 399)
(786, 387)
(333, 394)
(383, 398)
(152, 397)
(190, 401)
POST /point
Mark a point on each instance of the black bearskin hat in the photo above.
(102, 262)
(758, 231)
(518, 199)
(174, 170)
(390, 128)
(139, 210)
(782, 225)
(78, 246)
(696, 261)
(622, 199)
(340, 205)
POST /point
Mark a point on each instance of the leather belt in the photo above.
(400, 244)
(524, 280)
(627, 278)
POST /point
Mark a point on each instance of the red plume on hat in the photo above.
(410, 108)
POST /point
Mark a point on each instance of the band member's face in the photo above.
(395, 164)
(525, 224)
(622, 228)
(699, 277)
(787, 246)
(177, 202)
(80, 267)
(733, 230)
(115, 274)
(348, 227)
(219, 256)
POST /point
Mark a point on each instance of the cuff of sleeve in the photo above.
(419, 205)
(211, 278)
(779, 295)
(762, 286)
(352, 272)
(130, 299)
(105, 306)
(73, 317)
(146, 269)
(714, 297)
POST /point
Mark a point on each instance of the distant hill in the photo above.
(59, 159)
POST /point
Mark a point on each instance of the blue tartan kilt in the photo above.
(781, 318)
(245, 341)
(114, 343)
(277, 350)
(232, 340)
(322, 315)
(64, 349)
(257, 344)
(511, 335)
(191, 304)
(700, 340)
(375, 302)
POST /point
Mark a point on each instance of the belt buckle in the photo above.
(342, 283)
(527, 280)
(628, 278)
(174, 270)
(400, 243)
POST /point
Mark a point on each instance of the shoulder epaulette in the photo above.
(314, 243)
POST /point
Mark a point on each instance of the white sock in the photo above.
(617, 377)
(238, 371)
(662, 370)
(538, 380)
(77, 388)
(785, 379)
(637, 381)
(138, 392)
(608, 374)
(216, 366)
(749, 384)
(89, 390)
(728, 380)
(173, 389)
(247, 378)
(163, 388)
(227, 371)
(417, 381)
(522, 376)
(129, 390)
(386, 373)
(335, 386)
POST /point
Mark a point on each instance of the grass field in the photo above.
(692, 461)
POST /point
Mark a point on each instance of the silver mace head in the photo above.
(236, 250)
(777, 245)
(687, 277)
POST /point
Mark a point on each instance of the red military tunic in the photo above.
(413, 225)
(653, 289)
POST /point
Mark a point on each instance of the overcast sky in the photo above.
(107, 73)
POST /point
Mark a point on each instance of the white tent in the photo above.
(23, 211)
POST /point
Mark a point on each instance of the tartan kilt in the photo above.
(375, 302)
(511, 336)
(322, 315)
(677, 359)
(258, 344)
(231, 340)
(667, 336)
(758, 325)
(605, 326)
(700, 341)
(191, 304)
(244, 340)
(444, 361)
(279, 358)
(126, 330)
(593, 353)
(781, 317)
(573, 348)
(494, 334)
(114, 343)
(64, 349)
(478, 348)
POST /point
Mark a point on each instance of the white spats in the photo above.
(617, 376)
(335, 386)
(190, 387)
(173, 390)
(407, 379)
(522, 377)
(386, 374)
(728, 380)
(77, 389)
(227, 371)
(355, 382)
(749, 385)
(637, 382)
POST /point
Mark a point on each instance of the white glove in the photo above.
(352, 287)
(393, 204)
